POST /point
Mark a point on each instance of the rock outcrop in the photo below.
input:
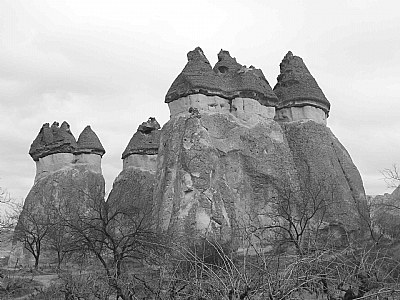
(218, 164)
(68, 178)
(237, 161)
(133, 188)
(225, 164)
(320, 159)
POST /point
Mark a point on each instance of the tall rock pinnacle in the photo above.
(228, 79)
(52, 140)
(89, 143)
(297, 87)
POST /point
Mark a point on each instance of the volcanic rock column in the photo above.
(89, 150)
(133, 188)
(68, 178)
(321, 160)
(221, 153)
(300, 97)
(52, 149)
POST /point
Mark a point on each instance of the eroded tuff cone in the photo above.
(244, 82)
(228, 79)
(145, 140)
(297, 87)
(89, 143)
(51, 140)
(197, 75)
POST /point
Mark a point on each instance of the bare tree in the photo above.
(32, 227)
(116, 233)
(297, 214)
(391, 176)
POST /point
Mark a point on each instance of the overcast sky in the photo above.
(110, 63)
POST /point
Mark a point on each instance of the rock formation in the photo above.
(135, 184)
(300, 97)
(68, 176)
(318, 155)
(142, 149)
(236, 161)
(53, 148)
(224, 160)
(221, 153)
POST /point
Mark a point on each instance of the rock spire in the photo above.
(145, 140)
(89, 143)
(228, 79)
(53, 139)
(297, 87)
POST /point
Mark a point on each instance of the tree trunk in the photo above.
(36, 262)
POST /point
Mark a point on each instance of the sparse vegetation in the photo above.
(111, 251)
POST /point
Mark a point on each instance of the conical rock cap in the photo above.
(53, 139)
(297, 87)
(89, 143)
(146, 140)
(228, 79)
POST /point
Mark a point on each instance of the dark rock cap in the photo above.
(51, 140)
(146, 140)
(228, 79)
(297, 87)
(89, 143)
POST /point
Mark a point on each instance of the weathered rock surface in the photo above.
(68, 177)
(326, 167)
(52, 140)
(228, 80)
(222, 165)
(215, 174)
(134, 186)
(67, 190)
(55, 148)
(145, 140)
(225, 165)
(89, 143)
(296, 87)
(307, 112)
(385, 213)
(89, 150)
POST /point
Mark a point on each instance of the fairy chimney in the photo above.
(300, 97)
(89, 150)
(53, 148)
(227, 88)
(141, 151)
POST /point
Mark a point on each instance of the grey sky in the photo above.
(110, 63)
